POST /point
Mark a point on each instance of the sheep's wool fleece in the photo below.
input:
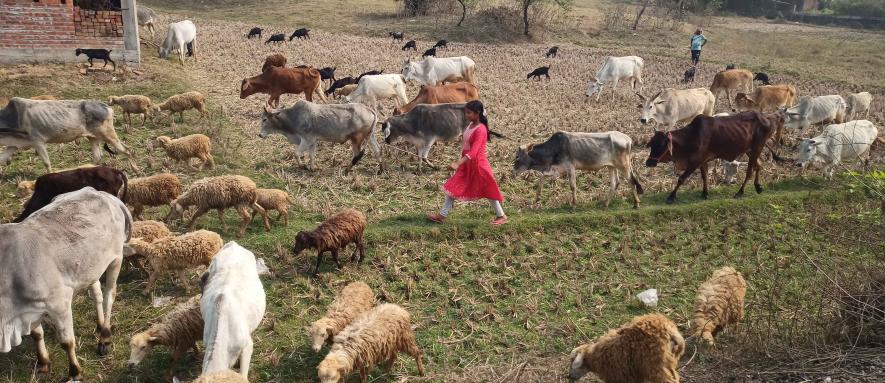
(150, 230)
(355, 299)
(340, 229)
(272, 198)
(186, 147)
(719, 302)
(183, 251)
(221, 377)
(375, 336)
(182, 102)
(155, 190)
(182, 327)
(132, 103)
(220, 192)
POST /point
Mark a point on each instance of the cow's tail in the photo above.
(630, 171)
(774, 155)
(376, 149)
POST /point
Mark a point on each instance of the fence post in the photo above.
(131, 46)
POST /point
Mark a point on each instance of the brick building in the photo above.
(50, 30)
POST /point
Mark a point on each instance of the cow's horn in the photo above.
(657, 95)
(641, 97)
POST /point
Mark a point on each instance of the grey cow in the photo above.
(146, 17)
(424, 125)
(58, 251)
(28, 123)
(305, 123)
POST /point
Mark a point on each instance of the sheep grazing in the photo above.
(182, 102)
(132, 103)
(429, 52)
(156, 190)
(688, 76)
(332, 235)
(101, 54)
(24, 189)
(552, 52)
(273, 60)
(276, 38)
(221, 377)
(149, 230)
(273, 199)
(355, 299)
(219, 193)
(301, 33)
(719, 303)
(538, 72)
(376, 337)
(180, 330)
(345, 90)
(254, 32)
(396, 36)
(188, 147)
(175, 253)
(410, 45)
(645, 350)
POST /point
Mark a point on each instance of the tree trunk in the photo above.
(639, 16)
(525, 16)
(463, 12)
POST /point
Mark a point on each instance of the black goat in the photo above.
(254, 32)
(104, 54)
(396, 36)
(729, 67)
(302, 33)
(552, 52)
(429, 52)
(276, 38)
(688, 76)
(537, 73)
(410, 45)
(328, 73)
(441, 44)
(369, 73)
(762, 77)
(340, 83)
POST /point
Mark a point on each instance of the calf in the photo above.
(50, 185)
(373, 88)
(688, 76)
(410, 45)
(858, 103)
(552, 52)
(340, 83)
(767, 98)
(729, 80)
(254, 32)
(568, 152)
(276, 38)
(614, 70)
(708, 138)
(538, 72)
(429, 52)
(838, 143)
(103, 54)
(441, 44)
(396, 36)
(762, 77)
(302, 33)
(277, 81)
(440, 94)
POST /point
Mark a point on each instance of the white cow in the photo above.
(674, 106)
(615, 69)
(177, 37)
(233, 306)
(816, 110)
(146, 17)
(859, 103)
(379, 87)
(837, 143)
(436, 71)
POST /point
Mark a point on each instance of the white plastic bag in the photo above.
(648, 297)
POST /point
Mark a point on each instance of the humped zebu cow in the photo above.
(567, 152)
(146, 17)
(614, 70)
(179, 35)
(816, 110)
(858, 103)
(57, 252)
(441, 94)
(425, 124)
(276, 81)
(731, 80)
(28, 123)
(371, 89)
(838, 143)
(232, 307)
(676, 106)
(305, 123)
(708, 138)
(436, 71)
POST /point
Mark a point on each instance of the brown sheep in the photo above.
(355, 299)
(180, 330)
(130, 103)
(24, 189)
(375, 338)
(719, 303)
(156, 190)
(180, 103)
(178, 253)
(645, 350)
(219, 193)
(332, 235)
(273, 60)
(273, 199)
(732, 79)
(188, 147)
(149, 230)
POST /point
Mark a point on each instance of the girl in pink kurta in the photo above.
(473, 178)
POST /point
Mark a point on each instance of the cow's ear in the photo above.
(817, 143)
(639, 106)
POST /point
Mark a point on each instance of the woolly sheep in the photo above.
(188, 147)
(345, 90)
(221, 377)
(375, 337)
(333, 235)
(182, 102)
(180, 329)
(132, 103)
(24, 189)
(156, 190)
(719, 303)
(273, 199)
(355, 299)
(175, 253)
(645, 350)
(219, 193)
(149, 230)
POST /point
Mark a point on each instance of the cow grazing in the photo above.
(762, 77)
(28, 123)
(371, 89)
(436, 71)
(688, 76)
(707, 138)
(552, 52)
(614, 70)
(538, 72)
(732, 80)
(425, 124)
(100, 54)
(440, 94)
(441, 44)
(277, 81)
(302, 33)
(328, 73)
(568, 152)
(305, 123)
(276, 38)
(340, 83)
(369, 73)
(410, 45)
(51, 185)
(676, 106)
(816, 110)
(429, 53)
(59, 251)
(839, 143)
(146, 18)
(254, 32)
(396, 36)
(179, 36)
(767, 98)
(858, 103)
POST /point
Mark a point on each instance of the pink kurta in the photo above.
(474, 179)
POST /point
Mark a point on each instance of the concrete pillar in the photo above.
(131, 45)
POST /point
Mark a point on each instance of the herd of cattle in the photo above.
(41, 277)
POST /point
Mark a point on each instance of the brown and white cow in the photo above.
(441, 94)
(276, 81)
(731, 80)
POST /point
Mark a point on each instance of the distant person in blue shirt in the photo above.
(697, 41)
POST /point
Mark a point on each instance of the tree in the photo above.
(525, 5)
(639, 16)
(464, 5)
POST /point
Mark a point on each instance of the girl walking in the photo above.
(473, 178)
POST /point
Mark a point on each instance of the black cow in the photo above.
(50, 185)
(410, 45)
(425, 124)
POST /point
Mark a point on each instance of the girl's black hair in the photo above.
(477, 107)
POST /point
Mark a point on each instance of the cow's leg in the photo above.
(573, 183)
(64, 323)
(7, 154)
(614, 86)
(613, 173)
(110, 295)
(538, 191)
(684, 176)
(40, 148)
(751, 166)
(42, 353)
(704, 170)
(245, 358)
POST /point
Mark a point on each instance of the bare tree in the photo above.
(639, 16)
(525, 5)
(464, 5)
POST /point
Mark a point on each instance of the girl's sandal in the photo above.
(435, 217)
(498, 221)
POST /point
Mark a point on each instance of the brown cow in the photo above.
(707, 138)
(50, 185)
(767, 98)
(277, 81)
(732, 79)
(441, 94)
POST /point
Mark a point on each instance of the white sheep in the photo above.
(132, 103)
(355, 299)
(182, 102)
(274, 199)
(221, 377)
(149, 230)
(219, 193)
(188, 147)
(156, 190)
(175, 253)
(645, 350)
(376, 337)
(719, 303)
(180, 329)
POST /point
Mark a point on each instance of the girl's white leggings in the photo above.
(450, 202)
